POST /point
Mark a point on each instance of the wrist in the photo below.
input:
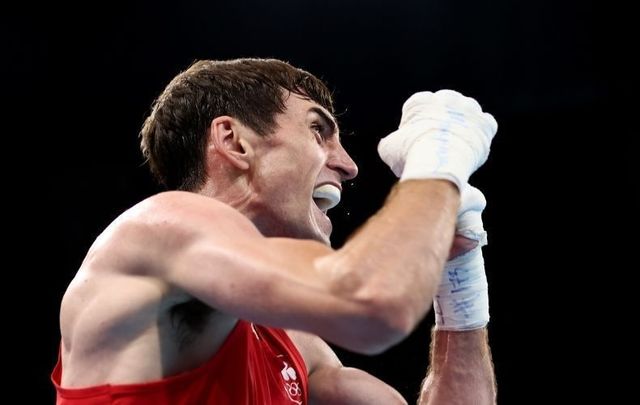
(462, 300)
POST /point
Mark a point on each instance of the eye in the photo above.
(319, 131)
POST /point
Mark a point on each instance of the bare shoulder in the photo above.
(143, 238)
(120, 305)
(187, 211)
(185, 205)
(131, 258)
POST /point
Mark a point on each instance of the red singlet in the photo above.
(255, 365)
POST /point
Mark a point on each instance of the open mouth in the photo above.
(326, 197)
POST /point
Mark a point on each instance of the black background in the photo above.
(558, 182)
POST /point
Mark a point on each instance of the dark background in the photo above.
(558, 182)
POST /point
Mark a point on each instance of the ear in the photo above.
(226, 137)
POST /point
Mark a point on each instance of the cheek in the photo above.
(293, 166)
(318, 155)
(307, 160)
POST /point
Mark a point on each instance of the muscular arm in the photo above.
(365, 297)
(461, 370)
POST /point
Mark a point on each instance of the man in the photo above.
(185, 297)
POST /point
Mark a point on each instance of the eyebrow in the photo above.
(328, 119)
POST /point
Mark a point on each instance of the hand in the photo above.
(469, 221)
(462, 300)
(469, 228)
(441, 135)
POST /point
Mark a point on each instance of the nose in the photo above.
(340, 161)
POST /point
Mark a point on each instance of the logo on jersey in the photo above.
(291, 384)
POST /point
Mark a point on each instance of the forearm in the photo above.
(396, 259)
(390, 269)
(461, 370)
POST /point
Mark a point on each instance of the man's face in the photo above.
(298, 173)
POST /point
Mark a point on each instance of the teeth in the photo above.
(326, 196)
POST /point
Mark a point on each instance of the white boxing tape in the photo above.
(462, 300)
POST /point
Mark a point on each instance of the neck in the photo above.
(240, 196)
(233, 193)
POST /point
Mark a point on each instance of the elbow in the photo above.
(385, 323)
(396, 318)
(376, 313)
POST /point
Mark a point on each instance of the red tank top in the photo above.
(255, 365)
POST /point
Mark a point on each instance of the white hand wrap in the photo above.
(462, 300)
(442, 135)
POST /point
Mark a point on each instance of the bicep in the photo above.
(255, 278)
(226, 263)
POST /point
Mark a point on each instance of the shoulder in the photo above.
(145, 235)
(187, 211)
(183, 213)
(180, 206)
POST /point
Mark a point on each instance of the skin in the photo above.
(176, 246)
(461, 369)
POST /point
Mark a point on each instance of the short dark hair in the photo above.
(173, 137)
